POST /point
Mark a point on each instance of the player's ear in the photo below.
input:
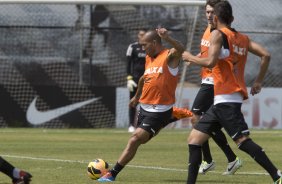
(154, 42)
(215, 19)
(231, 20)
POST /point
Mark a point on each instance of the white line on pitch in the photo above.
(133, 166)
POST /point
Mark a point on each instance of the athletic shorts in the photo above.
(203, 100)
(226, 115)
(153, 122)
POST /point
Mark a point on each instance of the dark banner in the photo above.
(52, 108)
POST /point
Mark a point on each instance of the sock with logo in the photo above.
(116, 169)
(220, 139)
(195, 158)
(258, 154)
(6, 167)
(206, 152)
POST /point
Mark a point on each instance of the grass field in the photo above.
(59, 156)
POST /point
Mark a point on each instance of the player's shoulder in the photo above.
(216, 34)
(243, 35)
(134, 44)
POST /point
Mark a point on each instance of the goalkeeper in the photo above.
(135, 69)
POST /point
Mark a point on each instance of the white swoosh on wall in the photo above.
(36, 117)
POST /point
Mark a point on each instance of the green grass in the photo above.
(61, 156)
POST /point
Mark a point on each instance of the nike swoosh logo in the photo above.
(144, 124)
(36, 117)
(230, 168)
(204, 170)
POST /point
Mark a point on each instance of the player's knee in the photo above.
(139, 138)
(195, 119)
(241, 139)
(196, 137)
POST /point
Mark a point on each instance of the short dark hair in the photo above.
(223, 10)
(212, 3)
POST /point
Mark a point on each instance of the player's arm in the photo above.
(214, 51)
(135, 100)
(261, 52)
(129, 69)
(174, 55)
(129, 60)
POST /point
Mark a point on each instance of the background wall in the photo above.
(67, 54)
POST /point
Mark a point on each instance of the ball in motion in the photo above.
(97, 168)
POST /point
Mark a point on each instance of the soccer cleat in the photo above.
(180, 113)
(131, 129)
(25, 178)
(279, 181)
(107, 178)
(205, 167)
(232, 167)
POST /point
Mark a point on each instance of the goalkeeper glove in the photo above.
(130, 83)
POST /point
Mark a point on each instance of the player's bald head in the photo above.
(152, 35)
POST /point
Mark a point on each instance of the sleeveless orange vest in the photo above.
(159, 84)
(228, 73)
(205, 44)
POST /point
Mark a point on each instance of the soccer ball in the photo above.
(97, 168)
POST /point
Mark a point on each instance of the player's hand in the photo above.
(186, 56)
(162, 32)
(256, 88)
(134, 102)
(131, 85)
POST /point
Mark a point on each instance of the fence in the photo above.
(66, 53)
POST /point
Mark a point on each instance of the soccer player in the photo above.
(18, 176)
(155, 93)
(135, 69)
(229, 90)
(204, 100)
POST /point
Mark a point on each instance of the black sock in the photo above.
(6, 167)
(206, 152)
(258, 154)
(220, 139)
(116, 169)
(195, 158)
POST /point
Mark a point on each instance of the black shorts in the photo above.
(203, 100)
(153, 122)
(226, 115)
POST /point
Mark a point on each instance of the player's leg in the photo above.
(149, 124)
(234, 123)
(17, 175)
(197, 137)
(207, 164)
(234, 162)
(258, 154)
(202, 102)
(132, 113)
(221, 140)
(195, 140)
